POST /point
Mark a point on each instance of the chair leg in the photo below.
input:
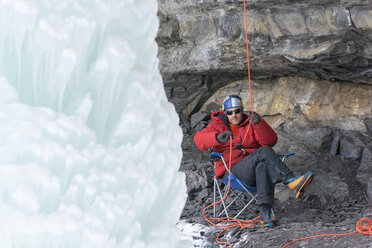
(247, 205)
(214, 198)
(222, 208)
(237, 197)
(216, 212)
(223, 202)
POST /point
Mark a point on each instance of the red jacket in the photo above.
(259, 135)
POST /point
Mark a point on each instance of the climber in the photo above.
(253, 160)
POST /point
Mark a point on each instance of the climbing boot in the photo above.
(267, 215)
(298, 184)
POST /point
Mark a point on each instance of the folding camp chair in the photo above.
(237, 188)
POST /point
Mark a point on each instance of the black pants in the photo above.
(262, 169)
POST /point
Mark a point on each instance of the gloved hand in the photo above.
(254, 117)
(225, 136)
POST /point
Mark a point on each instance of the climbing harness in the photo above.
(240, 147)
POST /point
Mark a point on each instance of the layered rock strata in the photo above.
(202, 43)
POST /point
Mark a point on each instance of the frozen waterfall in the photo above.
(89, 145)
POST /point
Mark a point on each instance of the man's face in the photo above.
(234, 118)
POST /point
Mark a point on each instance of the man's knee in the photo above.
(261, 167)
(266, 149)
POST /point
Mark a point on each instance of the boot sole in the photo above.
(301, 191)
(271, 223)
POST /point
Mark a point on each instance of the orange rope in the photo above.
(232, 222)
(363, 226)
(249, 70)
(250, 123)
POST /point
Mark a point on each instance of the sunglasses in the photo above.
(236, 111)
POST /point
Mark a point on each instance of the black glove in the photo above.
(254, 117)
(225, 136)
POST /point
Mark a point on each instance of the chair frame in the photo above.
(236, 184)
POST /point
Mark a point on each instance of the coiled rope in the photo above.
(364, 226)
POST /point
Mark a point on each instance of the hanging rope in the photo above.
(232, 222)
(248, 67)
(247, 48)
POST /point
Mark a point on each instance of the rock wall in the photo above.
(311, 70)
(202, 43)
(336, 105)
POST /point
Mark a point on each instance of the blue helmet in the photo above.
(232, 101)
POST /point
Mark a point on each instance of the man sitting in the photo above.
(252, 159)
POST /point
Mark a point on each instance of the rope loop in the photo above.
(364, 226)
